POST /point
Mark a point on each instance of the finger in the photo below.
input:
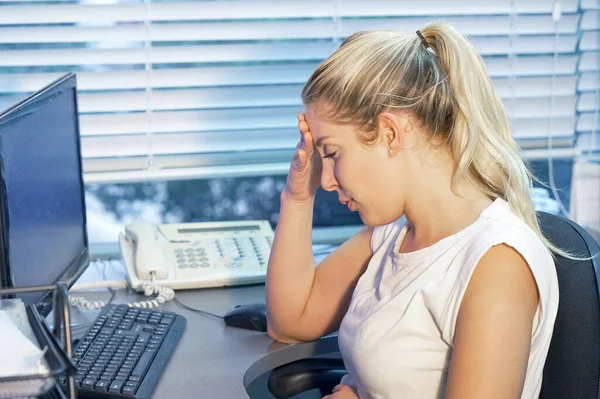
(301, 116)
(308, 144)
(301, 158)
(336, 388)
(328, 397)
(303, 126)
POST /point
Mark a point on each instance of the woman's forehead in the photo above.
(319, 127)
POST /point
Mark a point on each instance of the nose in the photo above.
(328, 179)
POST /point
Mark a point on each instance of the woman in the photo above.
(460, 301)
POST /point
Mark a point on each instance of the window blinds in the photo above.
(172, 90)
(588, 88)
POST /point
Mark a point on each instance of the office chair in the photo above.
(572, 368)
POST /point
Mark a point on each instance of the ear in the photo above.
(392, 129)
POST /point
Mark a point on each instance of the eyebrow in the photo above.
(319, 141)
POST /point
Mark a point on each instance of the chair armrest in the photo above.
(257, 377)
(303, 375)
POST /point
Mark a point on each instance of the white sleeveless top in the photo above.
(397, 336)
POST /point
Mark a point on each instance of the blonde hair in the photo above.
(450, 93)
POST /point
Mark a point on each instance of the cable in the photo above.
(112, 291)
(94, 305)
(590, 153)
(178, 302)
(163, 294)
(556, 16)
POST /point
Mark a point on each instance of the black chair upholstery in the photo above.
(572, 368)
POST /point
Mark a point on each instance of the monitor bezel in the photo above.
(23, 108)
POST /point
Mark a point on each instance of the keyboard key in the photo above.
(116, 386)
(129, 391)
(143, 337)
(143, 364)
(101, 385)
(122, 375)
(88, 383)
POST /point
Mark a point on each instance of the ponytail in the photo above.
(481, 141)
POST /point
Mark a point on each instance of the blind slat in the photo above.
(588, 102)
(225, 159)
(278, 30)
(226, 141)
(590, 20)
(587, 122)
(183, 121)
(300, 51)
(190, 143)
(222, 10)
(122, 171)
(590, 4)
(259, 118)
(589, 81)
(525, 66)
(206, 172)
(284, 95)
(588, 142)
(589, 41)
(589, 61)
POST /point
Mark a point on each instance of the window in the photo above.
(183, 99)
(242, 198)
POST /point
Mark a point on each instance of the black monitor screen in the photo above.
(44, 230)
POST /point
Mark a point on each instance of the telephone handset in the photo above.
(142, 243)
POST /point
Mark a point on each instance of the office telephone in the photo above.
(196, 255)
(167, 257)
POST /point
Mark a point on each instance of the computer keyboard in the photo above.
(125, 352)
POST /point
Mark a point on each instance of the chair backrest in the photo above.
(572, 368)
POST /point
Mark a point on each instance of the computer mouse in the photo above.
(251, 316)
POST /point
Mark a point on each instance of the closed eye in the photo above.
(330, 155)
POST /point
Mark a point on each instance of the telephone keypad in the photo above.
(224, 253)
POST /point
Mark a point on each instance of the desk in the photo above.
(210, 359)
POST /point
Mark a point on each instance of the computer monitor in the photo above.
(43, 233)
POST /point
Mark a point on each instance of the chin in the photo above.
(371, 220)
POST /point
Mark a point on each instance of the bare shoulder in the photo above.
(503, 277)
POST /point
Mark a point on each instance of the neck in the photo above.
(434, 211)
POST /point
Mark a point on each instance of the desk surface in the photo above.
(211, 358)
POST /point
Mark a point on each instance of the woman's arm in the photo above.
(493, 329)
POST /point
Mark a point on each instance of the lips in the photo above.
(348, 202)
(351, 205)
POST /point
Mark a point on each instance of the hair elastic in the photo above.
(424, 43)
